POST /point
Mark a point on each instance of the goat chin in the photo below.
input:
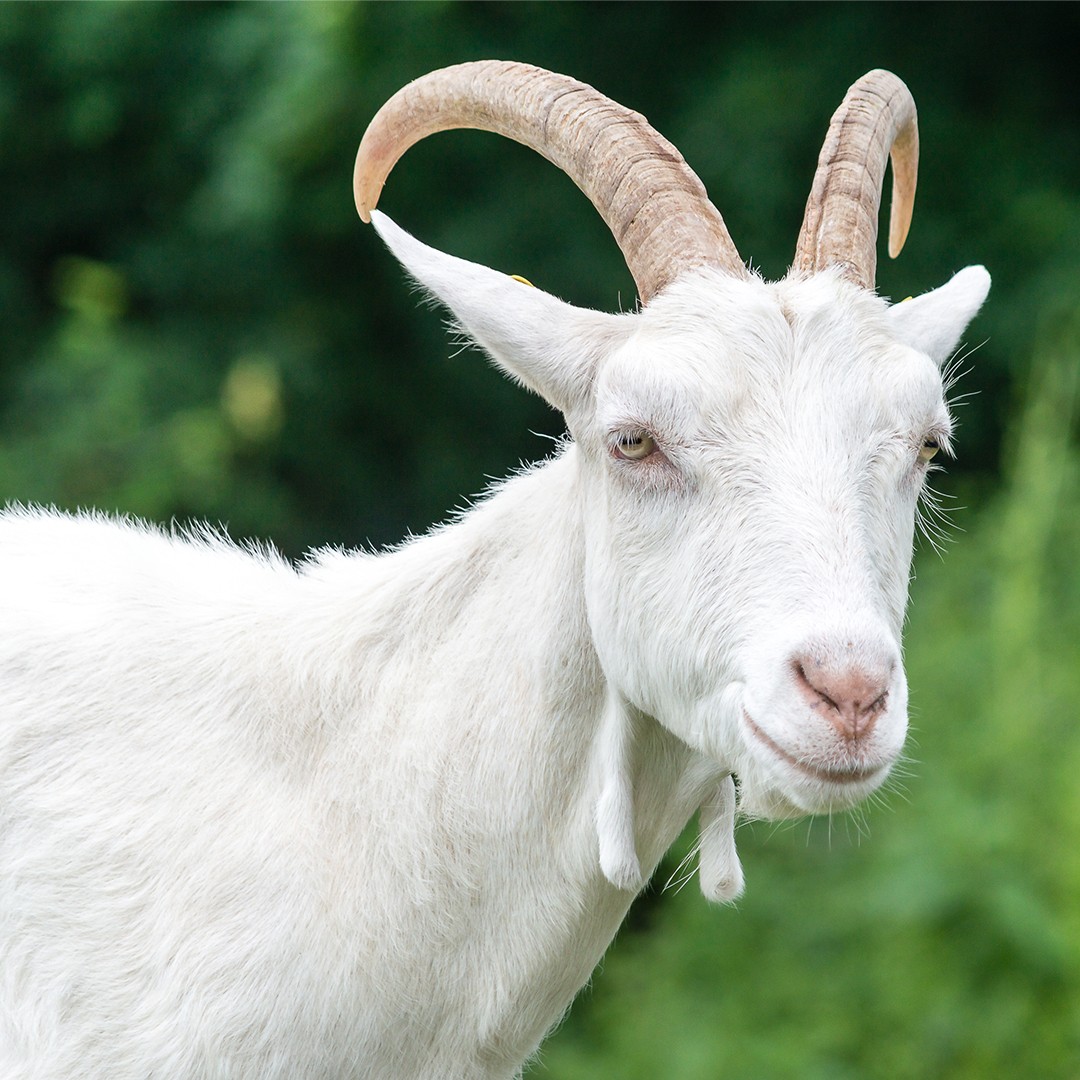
(759, 799)
(776, 784)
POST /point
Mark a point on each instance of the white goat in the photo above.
(379, 817)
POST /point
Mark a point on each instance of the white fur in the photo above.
(379, 816)
(720, 870)
(615, 811)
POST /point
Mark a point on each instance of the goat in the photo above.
(378, 816)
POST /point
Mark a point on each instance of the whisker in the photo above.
(685, 868)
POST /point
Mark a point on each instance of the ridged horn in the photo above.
(876, 120)
(653, 203)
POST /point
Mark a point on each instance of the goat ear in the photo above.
(934, 322)
(548, 345)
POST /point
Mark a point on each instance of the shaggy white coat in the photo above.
(379, 816)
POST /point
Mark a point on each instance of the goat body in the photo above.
(379, 816)
(352, 801)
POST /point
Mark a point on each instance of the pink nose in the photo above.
(851, 698)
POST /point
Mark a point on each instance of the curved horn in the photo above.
(876, 118)
(655, 206)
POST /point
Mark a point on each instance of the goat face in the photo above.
(751, 456)
(754, 462)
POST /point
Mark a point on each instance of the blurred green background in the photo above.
(195, 324)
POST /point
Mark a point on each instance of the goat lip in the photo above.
(832, 774)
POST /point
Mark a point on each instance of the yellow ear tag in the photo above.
(524, 281)
(906, 299)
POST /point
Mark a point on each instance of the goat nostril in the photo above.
(849, 698)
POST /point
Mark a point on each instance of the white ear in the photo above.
(548, 345)
(934, 322)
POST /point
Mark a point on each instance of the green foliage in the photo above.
(199, 156)
(194, 323)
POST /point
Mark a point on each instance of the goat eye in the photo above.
(928, 449)
(634, 447)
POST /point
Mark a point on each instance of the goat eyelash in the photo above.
(940, 440)
(638, 446)
(933, 518)
(628, 436)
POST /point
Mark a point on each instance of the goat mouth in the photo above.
(830, 774)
